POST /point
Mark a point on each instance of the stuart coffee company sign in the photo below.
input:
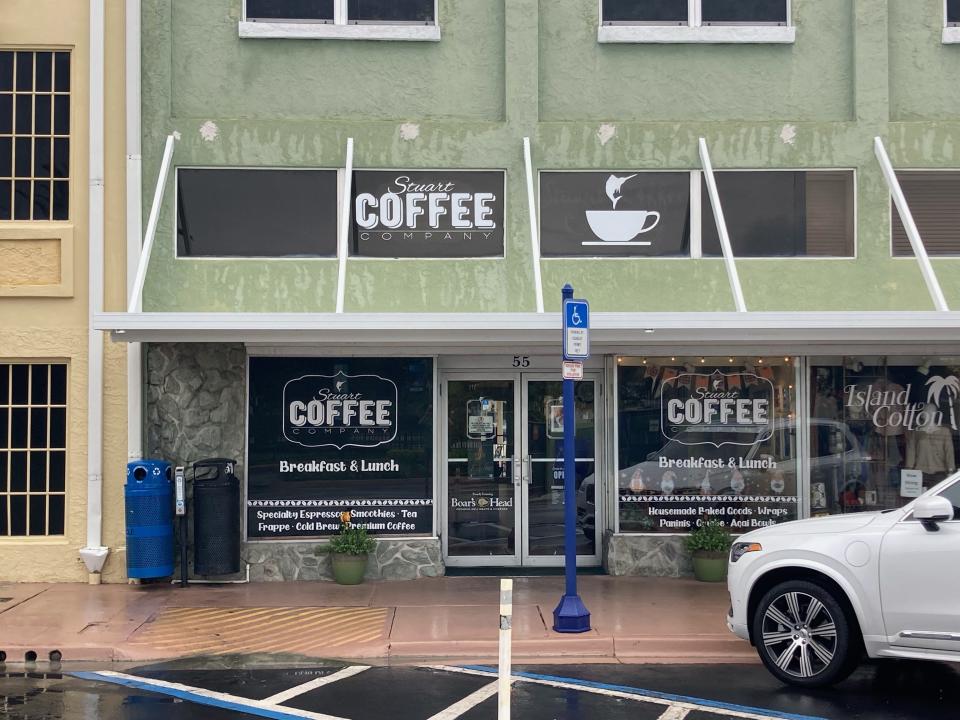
(340, 410)
(720, 409)
(328, 435)
(428, 213)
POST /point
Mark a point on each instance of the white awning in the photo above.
(611, 331)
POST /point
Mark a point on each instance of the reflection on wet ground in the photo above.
(882, 691)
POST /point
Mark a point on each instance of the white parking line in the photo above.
(674, 712)
(203, 696)
(468, 703)
(346, 672)
(638, 695)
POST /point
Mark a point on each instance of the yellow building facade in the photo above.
(52, 190)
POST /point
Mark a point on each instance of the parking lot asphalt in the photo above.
(881, 691)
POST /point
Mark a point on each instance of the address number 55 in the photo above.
(521, 361)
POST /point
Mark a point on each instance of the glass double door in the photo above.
(504, 469)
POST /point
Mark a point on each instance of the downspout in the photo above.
(94, 554)
(134, 225)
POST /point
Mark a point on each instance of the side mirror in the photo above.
(933, 510)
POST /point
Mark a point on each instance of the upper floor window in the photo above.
(256, 212)
(637, 213)
(291, 10)
(934, 200)
(390, 11)
(34, 135)
(783, 213)
(338, 14)
(705, 12)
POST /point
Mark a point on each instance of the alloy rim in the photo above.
(799, 634)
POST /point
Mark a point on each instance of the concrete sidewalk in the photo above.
(633, 619)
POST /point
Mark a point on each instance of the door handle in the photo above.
(527, 470)
(517, 471)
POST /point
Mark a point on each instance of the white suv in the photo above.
(813, 595)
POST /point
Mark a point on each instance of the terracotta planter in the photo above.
(710, 566)
(348, 569)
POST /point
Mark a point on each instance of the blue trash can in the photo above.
(148, 499)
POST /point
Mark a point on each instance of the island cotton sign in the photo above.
(428, 213)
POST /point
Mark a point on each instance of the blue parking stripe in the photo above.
(189, 696)
(640, 692)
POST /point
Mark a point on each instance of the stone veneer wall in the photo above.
(196, 408)
(650, 555)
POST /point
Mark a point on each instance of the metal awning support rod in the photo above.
(534, 235)
(136, 295)
(916, 242)
(342, 244)
(728, 258)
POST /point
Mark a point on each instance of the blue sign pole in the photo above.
(571, 615)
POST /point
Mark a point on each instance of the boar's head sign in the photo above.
(340, 410)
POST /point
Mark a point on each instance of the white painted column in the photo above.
(505, 669)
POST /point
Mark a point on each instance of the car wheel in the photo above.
(803, 635)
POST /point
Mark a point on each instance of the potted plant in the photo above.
(710, 546)
(349, 551)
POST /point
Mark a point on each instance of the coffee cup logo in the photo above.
(620, 227)
(340, 410)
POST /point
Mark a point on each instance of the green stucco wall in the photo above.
(506, 69)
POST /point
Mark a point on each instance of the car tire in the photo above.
(804, 636)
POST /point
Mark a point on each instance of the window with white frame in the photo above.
(33, 449)
(34, 135)
(354, 12)
(696, 12)
(953, 13)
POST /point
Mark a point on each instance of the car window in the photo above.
(952, 494)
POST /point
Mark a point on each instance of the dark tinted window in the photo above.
(34, 135)
(744, 11)
(390, 11)
(615, 213)
(934, 200)
(783, 214)
(32, 455)
(290, 10)
(654, 11)
(953, 11)
(256, 213)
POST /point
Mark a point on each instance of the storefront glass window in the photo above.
(882, 430)
(333, 435)
(706, 438)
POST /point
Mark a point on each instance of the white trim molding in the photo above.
(329, 31)
(705, 34)
(951, 35)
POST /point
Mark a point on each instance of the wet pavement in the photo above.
(894, 690)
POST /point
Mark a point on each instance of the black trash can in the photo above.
(216, 517)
